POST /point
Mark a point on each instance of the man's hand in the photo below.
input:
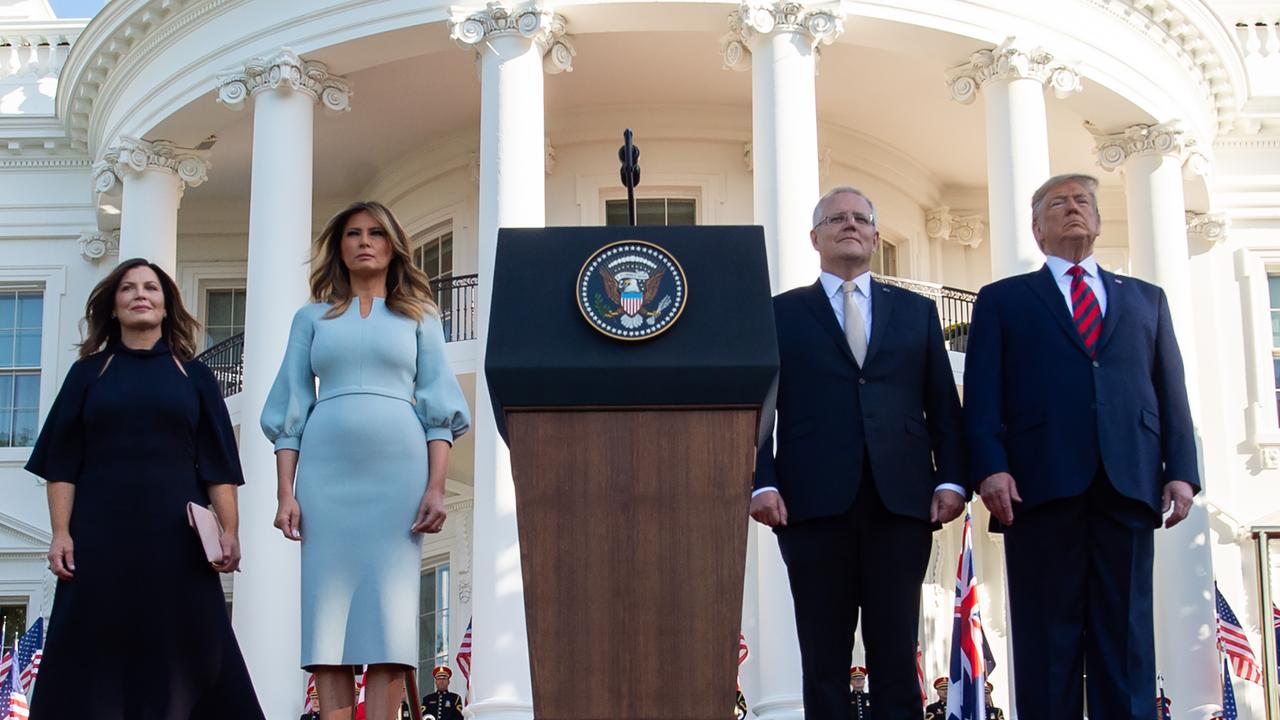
(768, 508)
(946, 506)
(1178, 495)
(999, 492)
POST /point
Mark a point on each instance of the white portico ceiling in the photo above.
(883, 81)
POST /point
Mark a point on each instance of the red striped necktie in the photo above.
(1085, 310)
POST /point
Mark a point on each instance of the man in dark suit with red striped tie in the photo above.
(1080, 438)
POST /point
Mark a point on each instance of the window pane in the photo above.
(1275, 329)
(427, 596)
(615, 212)
(14, 621)
(30, 310)
(219, 310)
(237, 310)
(890, 252)
(681, 211)
(24, 428)
(6, 391)
(1273, 282)
(651, 211)
(217, 335)
(6, 348)
(26, 392)
(6, 428)
(9, 309)
(446, 254)
(27, 351)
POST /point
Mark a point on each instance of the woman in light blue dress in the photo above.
(361, 460)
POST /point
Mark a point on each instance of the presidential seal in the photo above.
(631, 290)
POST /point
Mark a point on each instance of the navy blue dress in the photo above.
(141, 631)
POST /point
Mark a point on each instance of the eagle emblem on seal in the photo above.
(631, 290)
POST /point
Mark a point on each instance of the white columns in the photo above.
(779, 42)
(285, 90)
(154, 175)
(513, 45)
(1012, 81)
(1151, 158)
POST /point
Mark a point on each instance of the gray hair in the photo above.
(841, 190)
(1089, 182)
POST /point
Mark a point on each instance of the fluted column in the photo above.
(1012, 80)
(154, 175)
(284, 90)
(779, 43)
(1151, 158)
(514, 45)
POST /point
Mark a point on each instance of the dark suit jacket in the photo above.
(1038, 407)
(900, 411)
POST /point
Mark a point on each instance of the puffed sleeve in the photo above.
(294, 393)
(217, 455)
(437, 397)
(59, 450)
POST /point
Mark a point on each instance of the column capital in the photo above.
(1009, 62)
(534, 21)
(133, 155)
(1167, 138)
(968, 230)
(822, 23)
(95, 245)
(1210, 227)
(284, 69)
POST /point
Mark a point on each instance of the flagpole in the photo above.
(1262, 547)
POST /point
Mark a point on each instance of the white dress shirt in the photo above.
(833, 285)
(1059, 267)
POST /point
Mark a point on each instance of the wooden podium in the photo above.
(632, 464)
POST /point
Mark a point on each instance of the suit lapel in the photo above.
(1046, 288)
(1115, 306)
(883, 301)
(815, 298)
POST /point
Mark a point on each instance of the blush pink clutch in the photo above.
(206, 525)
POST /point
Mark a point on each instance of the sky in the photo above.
(76, 8)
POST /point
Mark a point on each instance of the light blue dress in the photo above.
(385, 391)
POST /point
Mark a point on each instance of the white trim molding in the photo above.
(53, 278)
(1262, 423)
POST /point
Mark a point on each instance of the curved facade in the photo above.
(216, 135)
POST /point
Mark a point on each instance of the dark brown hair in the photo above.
(177, 328)
(408, 288)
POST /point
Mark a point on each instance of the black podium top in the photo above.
(543, 352)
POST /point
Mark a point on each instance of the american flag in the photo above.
(13, 703)
(1228, 694)
(308, 704)
(1234, 643)
(5, 663)
(966, 699)
(924, 697)
(463, 658)
(27, 657)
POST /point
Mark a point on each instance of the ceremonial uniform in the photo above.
(859, 700)
(938, 710)
(406, 713)
(443, 705)
(994, 713)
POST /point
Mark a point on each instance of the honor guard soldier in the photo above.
(993, 712)
(442, 704)
(859, 698)
(938, 710)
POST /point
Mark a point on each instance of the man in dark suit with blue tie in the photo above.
(868, 461)
(1080, 438)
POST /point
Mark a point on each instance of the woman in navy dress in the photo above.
(139, 627)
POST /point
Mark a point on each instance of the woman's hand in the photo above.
(288, 519)
(62, 559)
(230, 553)
(431, 512)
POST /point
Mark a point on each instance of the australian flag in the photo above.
(966, 699)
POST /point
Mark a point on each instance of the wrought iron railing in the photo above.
(955, 307)
(226, 360)
(456, 297)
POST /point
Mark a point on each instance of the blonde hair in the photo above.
(408, 288)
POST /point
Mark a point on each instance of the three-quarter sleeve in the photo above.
(294, 392)
(437, 396)
(217, 455)
(59, 450)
